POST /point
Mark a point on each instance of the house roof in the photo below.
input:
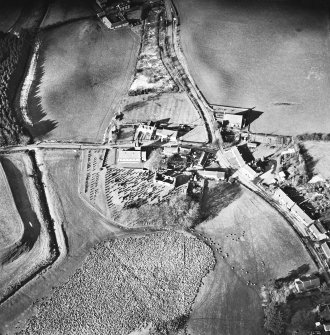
(316, 231)
(166, 132)
(130, 156)
(326, 249)
(212, 174)
(281, 195)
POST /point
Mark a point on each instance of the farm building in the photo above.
(283, 199)
(216, 175)
(234, 120)
(167, 135)
(134, 156)
(317, 231)
(307, 283)
(269, 139)
(326, 250)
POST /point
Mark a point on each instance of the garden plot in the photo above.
(128, 284)
(150, 73)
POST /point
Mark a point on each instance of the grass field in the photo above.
(61, 11)
(268, 54)
(87, 70)
(320, 151)
(11, 225)
(260, 246)
(128, 283)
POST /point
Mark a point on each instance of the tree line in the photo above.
(11, 132)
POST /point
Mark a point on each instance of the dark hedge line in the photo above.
(11, 47)
(314, 137)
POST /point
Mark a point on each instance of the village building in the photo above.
(144, 132)
(235, 116)
(304, 284)
(216, 175)
(133, 156)
(317, 231)
(326, 250)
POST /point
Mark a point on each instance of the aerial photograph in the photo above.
(165, 167)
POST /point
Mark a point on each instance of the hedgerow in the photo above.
(11, 132)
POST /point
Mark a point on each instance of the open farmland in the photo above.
(127, 284)
(320, 151)
(11, 225)
(268, 54)
(261, 246)
(83, 228)
(87, 70)
(61, 11)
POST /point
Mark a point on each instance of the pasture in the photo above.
(272, 55)
(260, 246)
(320, 151)
(86, 71)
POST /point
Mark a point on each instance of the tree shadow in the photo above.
(292, 275)
(215, 199)
(24, 208)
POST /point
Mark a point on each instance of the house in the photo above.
(216, 175)
(131, 156)
(317, 231)
(304, 284)
(106, 22)
(301, 215)
(283, 199)
(252, 145)
(167, 135)
(326, 250)
(326, 327)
